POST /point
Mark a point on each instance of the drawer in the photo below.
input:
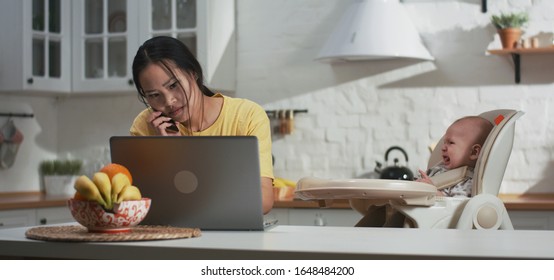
(532, 220)
(17, 218)
(324, 217)
(53, 215)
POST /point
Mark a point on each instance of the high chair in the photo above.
(417, 202)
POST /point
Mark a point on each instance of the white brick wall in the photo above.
(358, 110)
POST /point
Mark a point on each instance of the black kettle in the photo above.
(395, 172)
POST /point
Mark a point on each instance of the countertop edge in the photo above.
(523, 202)
(29, 200)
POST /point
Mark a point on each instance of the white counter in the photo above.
(299, 242)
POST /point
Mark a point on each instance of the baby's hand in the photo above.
(424, 178)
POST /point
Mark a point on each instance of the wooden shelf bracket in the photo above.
(516, 57)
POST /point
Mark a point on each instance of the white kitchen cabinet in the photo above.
(87, 46)
(532, 220)
(314, 217)
(107, 34)
(36, 39)
(324, 217)
(522, 220)
(17, 218)
(206, 27)
(53, 215)
(279, 214)
(35, 217)
(105, 39)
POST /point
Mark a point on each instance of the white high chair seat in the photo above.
(418, 201)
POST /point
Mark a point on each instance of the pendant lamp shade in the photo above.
(374, 29)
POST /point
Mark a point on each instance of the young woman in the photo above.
(170, 83)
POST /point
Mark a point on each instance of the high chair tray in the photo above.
(409, 192)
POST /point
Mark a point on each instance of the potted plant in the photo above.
(59, 176)
(509, 27)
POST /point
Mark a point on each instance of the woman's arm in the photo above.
(259, 126)
(267, 194)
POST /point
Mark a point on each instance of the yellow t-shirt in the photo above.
(238, 117)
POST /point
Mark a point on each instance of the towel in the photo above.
(10, 140)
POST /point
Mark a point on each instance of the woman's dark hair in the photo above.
(166, 50)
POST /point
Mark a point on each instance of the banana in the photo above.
(119, 181)
(88, 190)
(289, 183)
(129, 192)
(278, 183)
(102, 182)
(281, 182)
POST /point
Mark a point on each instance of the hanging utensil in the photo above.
(10, 140)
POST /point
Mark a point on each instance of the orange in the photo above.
(78, 196)
(114, 168)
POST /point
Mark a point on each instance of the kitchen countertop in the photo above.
(300, 242)
(26, 200)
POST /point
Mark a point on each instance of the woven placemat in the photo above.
(78, 233)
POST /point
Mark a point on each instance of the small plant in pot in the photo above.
(509, 27)
(59, 176)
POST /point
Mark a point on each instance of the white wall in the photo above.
(87, 123)
(74, 127)
(356, 110)
(40, 136)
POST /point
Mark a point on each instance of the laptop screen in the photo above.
(209, 182)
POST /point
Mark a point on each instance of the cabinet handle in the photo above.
(319, 220)
(43, 221)
(30, 81)
(131, 82)
(1, 224)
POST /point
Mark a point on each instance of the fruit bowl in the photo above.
(96, 219)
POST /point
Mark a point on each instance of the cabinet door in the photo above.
(279, 214)
(104, 41)
(53, 215)
(174, 18)
(34, 46)
(324, 217)
(17, 218)
(206, 27)
(532, 220)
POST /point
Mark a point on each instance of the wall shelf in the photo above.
(281, 113)
(516, 56)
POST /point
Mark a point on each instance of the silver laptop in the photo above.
(209, 182)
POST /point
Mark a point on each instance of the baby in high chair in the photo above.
(462, 145)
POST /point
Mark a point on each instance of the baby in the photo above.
(462, 145)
